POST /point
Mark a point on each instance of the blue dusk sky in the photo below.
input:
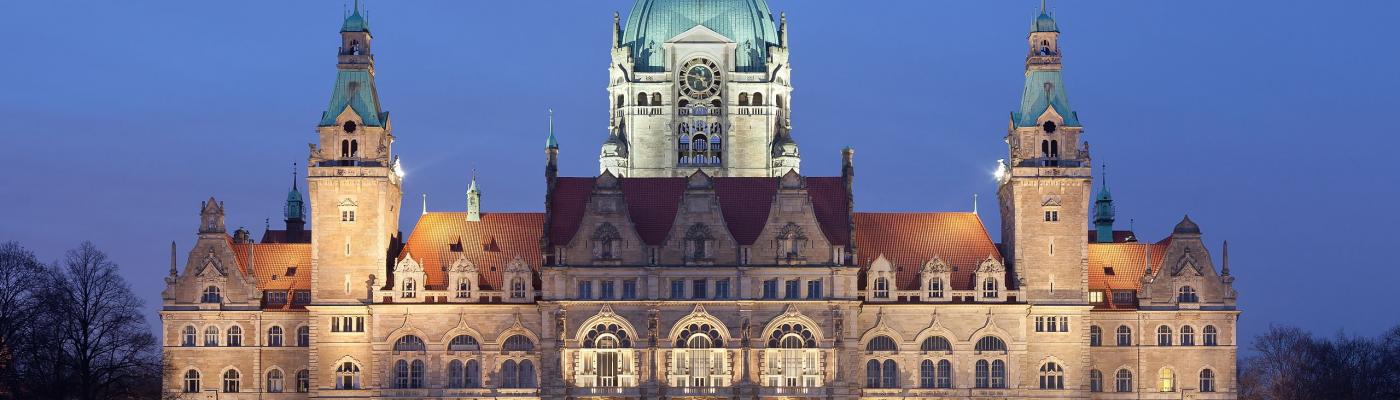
(1266, 121)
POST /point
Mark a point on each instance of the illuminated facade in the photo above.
(699, 262)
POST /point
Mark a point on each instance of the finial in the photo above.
(294, 176)
(425, 204)
(551, 143)
(267, 223)
(1042, 6)
(974, 203)
(172, 259)
(1103, 173)
(1225, 262)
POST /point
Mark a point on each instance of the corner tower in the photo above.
(1044, 194)
(699, 85)
(354, 182)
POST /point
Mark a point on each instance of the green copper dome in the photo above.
(748, 23)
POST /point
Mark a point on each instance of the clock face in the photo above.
(700, 79)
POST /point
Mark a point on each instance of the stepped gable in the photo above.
(909, 240)
(440, 238)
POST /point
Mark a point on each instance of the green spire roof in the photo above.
(294, 210)
(748, 23)
(1044, 22)
(551, 142)
(355, 22)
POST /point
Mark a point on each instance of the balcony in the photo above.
(791, 391)
(643, 110)
(755, 110)
(706, 391)
(607, 392)
(699, 111)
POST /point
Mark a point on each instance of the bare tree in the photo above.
(21, 278)
(1291, 364)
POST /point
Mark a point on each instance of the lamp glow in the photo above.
(1000, 173)
(398, 168)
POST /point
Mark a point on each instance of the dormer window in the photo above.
(211, 295)
(989, 288)
(464, 289)
(410, 288)
(697, 239)
(935, 288)
(1186, 294)
(791, 240)
(517, 288)
(882, 288)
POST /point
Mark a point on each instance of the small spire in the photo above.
(267, 223)
(1225, 262)
(172, 259)
(974, 203)
(551, 143)
(425, 204)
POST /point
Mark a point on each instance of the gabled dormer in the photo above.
(880, 282)
(213, 278)
(518, 281)
(935, 280)
(1187, 278)
(990, 281)
(409, 281)
(463, 280)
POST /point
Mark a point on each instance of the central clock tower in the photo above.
(711, 94)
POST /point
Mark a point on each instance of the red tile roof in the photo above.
(745, 203)
(277, 266)
(652, 204)
(489, 244)
(832, 208)
(909, 240)
(567, 205)
(1127, 262)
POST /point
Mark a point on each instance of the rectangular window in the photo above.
(722, 288)
(1052, 216)
(607, 289)
(585, 289)
(1124, 297)
(770, 289)
(699, 289)
(347, 216)
(1040, 324)
(814, 289)
(276, 297)
(651, 256)
(678, 289)
(1096, 296)
(1064, 324)
(629, 289)
(793, 291)
(301, 297)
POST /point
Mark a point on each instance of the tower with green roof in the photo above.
(1103, 213)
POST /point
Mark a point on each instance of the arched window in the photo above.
(620, 101)
(472, 374)
(303, 381)
(889, 379)
(656, 99)
(1045, 149)
(409, 343)
(1188, 336)
(303, 336)
(1166, 380)
(715, 144)
(642, 99)
(872, 374)
(936, 343)
(509, 375)
(984, 374)
(1207, 380)
(683, 103)
(1049, 126)
(464, 288)
(1186, 294)
(188, 337)
(881, 343)
(1095, 336)
(881, 375)
(1208, 335)
(935, 288)
(231, 381)
(990, 343)
(518, 343)
(683, 144)
(235, 336)
(757, 99)
(882, 288)
(347, 376)
(943, 376)
(191, 381)
(455, 374)
(354, 148)
(1054, 149)
(926, 374)
(716, 103)
(1123, 382)
(211, 295)
(211, 336)
(274, 336)
(527, 374)
(517, 288)
(401, 374)
(463, 343)
(1095, 381)
(275, 383)
(1164, 335)
(699, 143)
(415, 372)
(1125, 335)
(778, 101)
(991, 375)
(344, 148)
(410, 288)
(1052, 376)
(743, 99)
(989, 288)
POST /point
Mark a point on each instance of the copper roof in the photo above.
(1118, 266)
(440, 237)
(908, 240)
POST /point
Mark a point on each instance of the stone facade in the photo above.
(732, 276)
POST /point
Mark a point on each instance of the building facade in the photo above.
(699, 262)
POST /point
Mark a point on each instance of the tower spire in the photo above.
(172, 258)
(473, 200)
(551, 142)
(1225, 262)
(1104, 213)
(425, 204)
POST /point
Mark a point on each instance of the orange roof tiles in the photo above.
(1127, 262)
(909, 240)
(440, 237)
(277, 266)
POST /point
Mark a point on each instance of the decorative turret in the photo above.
(211, 216)
(1104, 213)
(295, 209)
(473, 201)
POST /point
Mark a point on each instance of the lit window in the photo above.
(347, 376)
(1166, 380)
(1096, 296)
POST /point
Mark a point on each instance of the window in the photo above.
(935, 288)
(235, 336)
(347, 376)
(872, 374)
(276, 297)
(274, 336)
(274, 381)
(991, 375)
(416, 374)
(1049, 125)
(983, 373)
(1166, 380)
(678, 289)
(1095, 381)
(1164, 336)
(1052, 216)
(926, 372)
(1052, 376)
(743, 99)
(990, 343)
(943, 378)
(518, 343)
(303, 336)
(1188, 336)
(303, 381)
(642, 99)
(881, 343)
(409, 343)
(463, 343)
(520, 375)
(347, 215)
(770, 289)
(794, 289)
(757, 99)
(605, 240)
(301, 297)
(1186, 294)
(191, 381)
(629, 289)
(1124, 381)
(699, 289)
(989, 288)
(936, 343)
(656, 99)
(1064, 324)
(464, 288)
(456, 374)
(231, 381)
(517, 288)
(1040, 324)
(882, 288)
(211, 336)
(1095, 336)
(1208, 335)
(188, 338)
(211, 295)
(401, 374)
(890, 377)
(814, 289)
(722, 288)
(881, 375)
(1207, 380)
(1096, 296)
(1125, 335)
(585, 289)
(410, 288)
(607, 290)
